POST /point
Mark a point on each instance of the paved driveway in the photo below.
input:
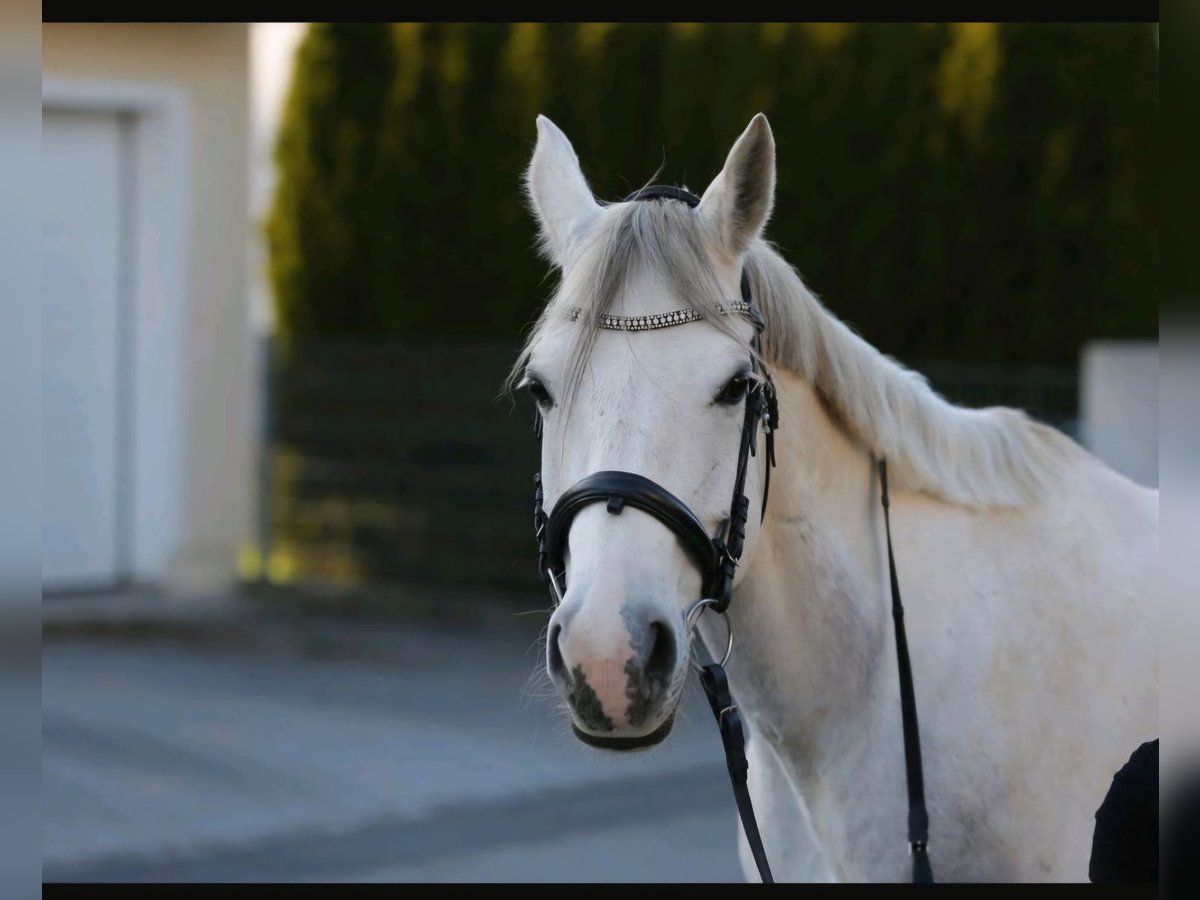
(433, 762)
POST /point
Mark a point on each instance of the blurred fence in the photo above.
(398, 461)
(1049, 393)
(392, 461)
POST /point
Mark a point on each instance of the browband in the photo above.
(677, 316)
(662, 320)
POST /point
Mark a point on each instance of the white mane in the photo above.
(994, 457)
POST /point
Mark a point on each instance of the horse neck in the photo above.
(812, 613)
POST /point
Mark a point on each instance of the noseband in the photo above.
(716, 557)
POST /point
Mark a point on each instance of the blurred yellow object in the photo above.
(967, 76)
(830, 35)
(249, 563)
(280, 567)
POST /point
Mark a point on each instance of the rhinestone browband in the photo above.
(657, 320)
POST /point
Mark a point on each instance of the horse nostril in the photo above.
(554, 657)
(660, 663)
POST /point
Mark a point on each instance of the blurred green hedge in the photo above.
(969, 192)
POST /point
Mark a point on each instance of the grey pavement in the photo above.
(436, 758)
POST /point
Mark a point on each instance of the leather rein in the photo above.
(717, 559)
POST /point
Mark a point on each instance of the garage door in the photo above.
(83, 333)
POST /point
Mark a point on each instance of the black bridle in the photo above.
(717, 560)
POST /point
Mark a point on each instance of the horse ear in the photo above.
(739, 200)
(558, 193)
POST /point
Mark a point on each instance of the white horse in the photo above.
(1027, 566)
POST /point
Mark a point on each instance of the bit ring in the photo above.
(693, 616)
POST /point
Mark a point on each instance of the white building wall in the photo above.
(208, 366)
(1119, 406)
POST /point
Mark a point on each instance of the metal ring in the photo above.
(554, 588)
(694, 613)
(693, 616)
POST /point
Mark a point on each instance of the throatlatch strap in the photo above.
(918, 816)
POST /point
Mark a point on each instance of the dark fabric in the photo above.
(1125, 842)
(1181, 836)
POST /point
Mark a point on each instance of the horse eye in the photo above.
(734, 391)
(540, 395)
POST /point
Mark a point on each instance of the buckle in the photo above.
(727, 557)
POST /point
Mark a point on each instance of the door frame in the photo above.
(155, 203)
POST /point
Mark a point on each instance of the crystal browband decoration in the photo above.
(656, 320)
